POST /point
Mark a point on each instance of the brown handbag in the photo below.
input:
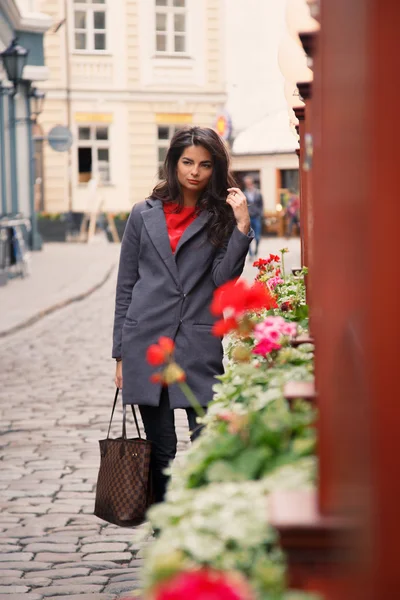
(124, 489)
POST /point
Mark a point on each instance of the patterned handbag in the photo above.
(124, 489)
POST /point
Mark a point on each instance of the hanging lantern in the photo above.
(37, 103)
(14, 60)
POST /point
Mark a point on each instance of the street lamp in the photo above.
(37, 103)
(14, 60)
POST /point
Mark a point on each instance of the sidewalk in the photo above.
(273, 245)
(61, 273)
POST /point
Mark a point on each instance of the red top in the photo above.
(177, 222)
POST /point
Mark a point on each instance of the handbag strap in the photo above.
(123, 418)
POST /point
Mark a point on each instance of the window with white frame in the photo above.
(90, 25)
(171, 27)
(164, 135)
(93, 153)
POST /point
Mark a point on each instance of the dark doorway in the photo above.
(84, 164)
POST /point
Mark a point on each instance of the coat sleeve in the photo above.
(127, 277)
(229, 261)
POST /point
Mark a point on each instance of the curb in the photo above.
(58, 306)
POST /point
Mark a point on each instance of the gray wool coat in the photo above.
(164, 294)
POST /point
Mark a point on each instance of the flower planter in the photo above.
(120, 225)
(52, 230)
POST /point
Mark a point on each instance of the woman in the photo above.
(191, 236)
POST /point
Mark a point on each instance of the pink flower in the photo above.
(274, 321)
(270, 324)
(274, 335)
(269, 333)
(274, 281)
(204, 584)
(236, 422)
(265, 347)
(226, 416)
(289, 329)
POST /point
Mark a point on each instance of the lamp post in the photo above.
(37, 103)
(14, 59)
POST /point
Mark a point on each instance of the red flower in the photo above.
(239, 298)
(158, 354)
(156, 378)
(259, 296)
(228, 295)
(261, 263)
(204, 584)
(166, 344)
(224, 326)
(155, 355)
(285, 306)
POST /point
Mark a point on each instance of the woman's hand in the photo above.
(238, 201)
(118, 375)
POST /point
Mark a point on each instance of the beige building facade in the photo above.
(124, 74)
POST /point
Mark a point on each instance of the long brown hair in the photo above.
(213, 197)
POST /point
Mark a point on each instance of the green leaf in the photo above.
(222, 471)
(250, 461)
(304, 446)
(301, 312)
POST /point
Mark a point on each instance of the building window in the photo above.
(171, 26)
(289, 179)
(90, 25)
(164, 134)
(93, 153)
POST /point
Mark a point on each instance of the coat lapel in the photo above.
(154, 221)
(197, 225)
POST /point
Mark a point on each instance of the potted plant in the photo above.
(120, 220)
(52, 226)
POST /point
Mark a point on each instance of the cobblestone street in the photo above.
(56, 384)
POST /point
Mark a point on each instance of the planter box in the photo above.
(120, 226)
(74, 221)
(52, 230)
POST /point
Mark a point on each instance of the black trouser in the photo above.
(159, 425)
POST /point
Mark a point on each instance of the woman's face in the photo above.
(194, 168)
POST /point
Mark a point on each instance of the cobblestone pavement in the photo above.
(55, 397)
(83, 267)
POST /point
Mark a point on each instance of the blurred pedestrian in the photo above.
(191, 236)
(256, 210)
(293, 212)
